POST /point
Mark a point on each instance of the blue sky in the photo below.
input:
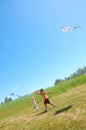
(34, 52)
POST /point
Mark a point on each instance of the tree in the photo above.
(58, 81)
(6, 100)
(79, 72)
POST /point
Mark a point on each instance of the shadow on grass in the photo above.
(62, 110)
(41, 113)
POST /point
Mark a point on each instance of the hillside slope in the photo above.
(69, 113)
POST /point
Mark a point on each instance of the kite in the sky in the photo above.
(12, 94)
(69, 28)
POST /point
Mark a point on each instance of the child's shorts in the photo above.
(46, 101)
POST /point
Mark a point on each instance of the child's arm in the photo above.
(37, 93)
(49, 92)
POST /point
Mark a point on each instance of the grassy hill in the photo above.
(69, 113)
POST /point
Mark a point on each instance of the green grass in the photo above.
(69, 113)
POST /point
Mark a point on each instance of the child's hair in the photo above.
(41, 90)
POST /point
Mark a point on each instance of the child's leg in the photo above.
(52, 104)
(45, 106)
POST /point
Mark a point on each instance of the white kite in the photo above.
(69, 28)
(34, 103)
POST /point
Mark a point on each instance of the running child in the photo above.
(45, 97)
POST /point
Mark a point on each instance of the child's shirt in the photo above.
(44, 95)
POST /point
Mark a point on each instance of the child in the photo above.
(45, 97)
